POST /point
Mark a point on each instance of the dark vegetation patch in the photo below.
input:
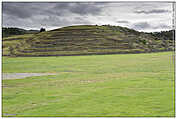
(6, 32)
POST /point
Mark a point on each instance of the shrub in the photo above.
(42, 29)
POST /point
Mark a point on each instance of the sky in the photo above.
(141, 16)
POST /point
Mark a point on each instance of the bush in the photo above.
(42, 29)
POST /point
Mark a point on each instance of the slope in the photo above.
(85, 40)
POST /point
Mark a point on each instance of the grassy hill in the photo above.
(85, 40)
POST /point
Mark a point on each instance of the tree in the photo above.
(42, 29)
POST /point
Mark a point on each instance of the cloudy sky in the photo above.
(141, 16)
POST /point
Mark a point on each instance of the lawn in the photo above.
(129, 85)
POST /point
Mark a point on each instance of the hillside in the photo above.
(16, 31)
(85, 40)
(165, 35)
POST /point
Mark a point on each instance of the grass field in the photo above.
(100, 85)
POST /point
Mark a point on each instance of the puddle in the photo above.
(23, 75)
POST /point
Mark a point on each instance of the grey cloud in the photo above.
(62, 5)
(146, 25)
(76, 8)
(59, 14)
(83, 8)
(123, 21)
(15, 10)
(47, 14)
(162, 26)
(154, 11)
(141, 25)
(62, 21)
(81, 20)
(26, 10)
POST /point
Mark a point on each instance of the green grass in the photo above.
(99, 85)
(18, 37)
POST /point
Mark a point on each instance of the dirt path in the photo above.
(23, 75)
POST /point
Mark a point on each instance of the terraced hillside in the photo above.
(84, 40)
